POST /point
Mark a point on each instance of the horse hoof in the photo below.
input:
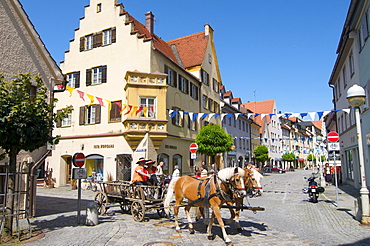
(239, 229)
(211, 237)
(229, 243)
(178, 230)
(191, 231)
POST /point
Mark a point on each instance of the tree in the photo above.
(213, 139)
(311, 157)
(26, 123)
(261, 153)
(289, 157)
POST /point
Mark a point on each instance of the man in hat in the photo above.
(140, 174)
(153, 180)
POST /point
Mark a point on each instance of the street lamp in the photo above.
(356, 97)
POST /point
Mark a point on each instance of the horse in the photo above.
(253, 189)
(212, 191)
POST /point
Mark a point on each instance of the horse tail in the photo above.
(168, 198)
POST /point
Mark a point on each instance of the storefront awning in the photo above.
(94, 157)
(301, 159)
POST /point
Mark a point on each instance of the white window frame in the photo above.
(90, 114)
(147, 102)
(89, 42)
(107, 36)
(97, 75)
(67, 121)
(72, 80)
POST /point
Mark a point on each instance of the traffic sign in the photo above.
(333, 137)
(193, 148)
(333, 147)
(78, 159)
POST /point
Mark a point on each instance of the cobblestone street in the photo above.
(289, 219)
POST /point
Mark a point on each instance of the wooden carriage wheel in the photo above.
(138, 210)
(102, 200)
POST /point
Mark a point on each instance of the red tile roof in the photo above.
(261, 107)
(191, 48)
(317, 124)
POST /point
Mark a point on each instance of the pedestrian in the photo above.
(204, 172)
(153, 180)
(176, 172)
(213, 169)
(140, 174)
(160, 174)
(197, 172)
(328, 174)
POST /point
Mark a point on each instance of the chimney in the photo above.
(149, 22)
(208, 30)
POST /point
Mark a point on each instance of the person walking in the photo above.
(328, 174)
(176, 172)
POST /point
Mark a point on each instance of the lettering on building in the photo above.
(103, 146)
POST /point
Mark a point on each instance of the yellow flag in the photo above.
(70, 90)
(91, 97)
(109, 104)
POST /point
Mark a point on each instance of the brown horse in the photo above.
(211, 192)
(253, 190)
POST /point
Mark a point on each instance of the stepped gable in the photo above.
(191, 48)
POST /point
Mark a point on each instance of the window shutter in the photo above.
(104, 74)
(174, 79)
(82, 115)
(82, 44)
(97, 39)
(97, 113)
(77, 84)
(59, 122)
(88, 77)
(113, 34)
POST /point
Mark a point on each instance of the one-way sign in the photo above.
(333, 146)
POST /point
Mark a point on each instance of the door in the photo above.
(123, 167)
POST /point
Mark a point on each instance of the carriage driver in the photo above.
(140, 175)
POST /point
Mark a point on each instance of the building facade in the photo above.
(134, 95)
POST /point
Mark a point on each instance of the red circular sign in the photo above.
(78, 159)
(193, 148)
(333, 137)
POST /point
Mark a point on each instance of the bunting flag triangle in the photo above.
(123, 108)
(81, 93)
(191, 116)
(129, 109)
(237, 116)
(216, 115)
(100, 100)
(195, 116)
(91, 97)
(119, 106)
(145, 111)
(138, 109)
(109, 104)
(70, 90)
(312, 115)
(347, 110)
(210, 116)
(181, 115)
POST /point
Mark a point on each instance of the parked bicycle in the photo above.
(91, 184)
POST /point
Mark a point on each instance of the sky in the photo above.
(266, 49)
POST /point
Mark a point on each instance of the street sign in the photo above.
(333, 146)
(193, 156)
(193, 148)
(79, 173)
(78, 159)
(333, 137)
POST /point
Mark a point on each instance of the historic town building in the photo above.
(133, 94)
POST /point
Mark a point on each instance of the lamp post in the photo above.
(356, 97)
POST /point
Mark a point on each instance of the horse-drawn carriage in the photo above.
(134, 199)
(229, 185)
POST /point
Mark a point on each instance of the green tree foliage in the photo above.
(289, 157)
(261, 153)
(311, 157)
(213, 139)
(26, 122)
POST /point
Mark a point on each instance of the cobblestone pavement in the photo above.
(289, 219)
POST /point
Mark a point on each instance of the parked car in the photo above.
(270, 169)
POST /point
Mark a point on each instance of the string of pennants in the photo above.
(193, 116)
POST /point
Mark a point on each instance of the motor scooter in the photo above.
(313, 190)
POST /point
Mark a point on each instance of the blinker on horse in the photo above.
(211, 192)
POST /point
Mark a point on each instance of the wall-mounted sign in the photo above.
(103, 146)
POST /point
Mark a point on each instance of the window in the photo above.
(204, 77)
(107, 34)
(115, 111)
(204, 101)
(171, 76)
(363, 31)
(177, 160)
(177, 120)
(73, 79)
(216, 108)
(89, 42)
(183, 85)
(98, 8)
(349, 162)
(67, 121)
(351, 64)
(96, 75)
(210, 104)
(148, 107)
(90, 114)
(194, 91)
(209, 59)
(344, 75)
(216, 86)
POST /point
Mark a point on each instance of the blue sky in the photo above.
(267, 49)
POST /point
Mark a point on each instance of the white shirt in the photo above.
(204, 173)
(176, 173)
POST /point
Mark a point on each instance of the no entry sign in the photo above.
(333, 137)
(193, 148)
(78, 159)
